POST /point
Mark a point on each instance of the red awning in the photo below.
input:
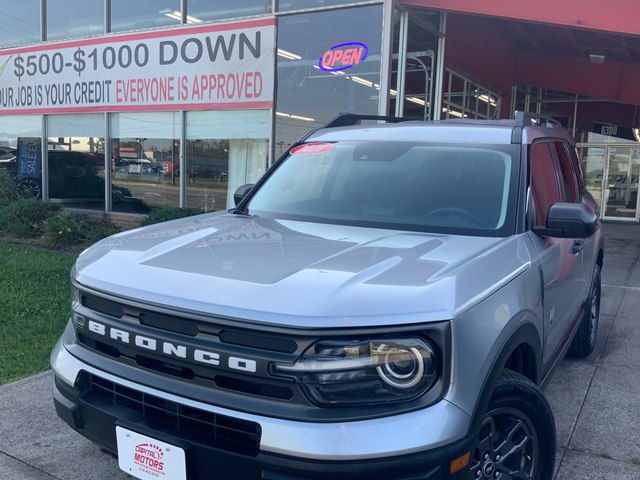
(620, 16)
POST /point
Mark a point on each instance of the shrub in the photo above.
(164, 214)
(68, 228)
(23, 218)
(8, 189)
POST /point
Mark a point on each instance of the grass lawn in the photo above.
(34, 308)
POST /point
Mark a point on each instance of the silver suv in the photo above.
(387, 302)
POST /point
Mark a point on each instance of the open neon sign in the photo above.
(343, 56)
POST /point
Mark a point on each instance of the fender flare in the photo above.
(526, 333)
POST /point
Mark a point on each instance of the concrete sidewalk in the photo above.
(596, 401)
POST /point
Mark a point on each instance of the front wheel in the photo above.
(585, 340)
(517, 439)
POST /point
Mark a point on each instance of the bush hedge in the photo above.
(164, 214)
(72, 227)
(31, 218)
(23, 218)
(8, 190)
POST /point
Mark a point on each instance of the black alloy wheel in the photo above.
(29, 188)
(517, 439)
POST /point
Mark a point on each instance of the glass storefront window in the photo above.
(21, 152)
(145, 161)
(225, 149)
(74, 18)
(205, 10)
(347, 44)
(289, 5)
(20, 22)
(76, 160)
(127, 15)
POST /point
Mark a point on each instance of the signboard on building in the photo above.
(206, 67)
(613, 131)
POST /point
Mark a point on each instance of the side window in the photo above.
(544, 185)
(567, 176)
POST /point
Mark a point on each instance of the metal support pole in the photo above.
(108, 206)
(439, 71)
(514, 94)
(402, 62)
(183, 159)
(43, 20)
(45, 160)
(107, 16)
(385, 56)
(575, 114)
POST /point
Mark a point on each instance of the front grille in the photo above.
(184, 326)
(164, 322)
(103, 306)
(190, 424)
(262, 342)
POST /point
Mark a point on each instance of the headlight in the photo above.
(338, 373)
(78, 320)
(75, 297)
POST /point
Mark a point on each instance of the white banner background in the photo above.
(206, 67)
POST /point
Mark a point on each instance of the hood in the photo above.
(299, 273)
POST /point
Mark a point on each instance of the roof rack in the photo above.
(526, 119)
(348, 119)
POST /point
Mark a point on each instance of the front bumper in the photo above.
(416, 445)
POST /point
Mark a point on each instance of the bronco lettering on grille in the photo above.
(170, 349)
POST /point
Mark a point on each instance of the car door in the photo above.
(589, 250)
(560, 264)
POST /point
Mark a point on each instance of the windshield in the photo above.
(467, 189)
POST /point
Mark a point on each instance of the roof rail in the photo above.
(348, 119)
(526, 119)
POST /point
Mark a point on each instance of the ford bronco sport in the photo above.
(387, 302)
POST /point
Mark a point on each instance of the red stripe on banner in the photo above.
(143, 36)
(142, 108)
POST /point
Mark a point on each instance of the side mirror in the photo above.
(241, 192)
(569, 220)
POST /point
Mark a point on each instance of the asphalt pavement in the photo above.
(596, 401)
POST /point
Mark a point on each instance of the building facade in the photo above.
(119, 107)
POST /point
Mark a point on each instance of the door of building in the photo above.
(612, 174)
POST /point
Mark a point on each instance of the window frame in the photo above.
(559, 163)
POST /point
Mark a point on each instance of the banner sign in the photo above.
(206, 67)
(29, 158)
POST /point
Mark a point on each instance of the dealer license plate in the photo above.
(147, 458)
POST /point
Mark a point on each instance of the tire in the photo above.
(29, 188)
(585, 340)
(517, 439)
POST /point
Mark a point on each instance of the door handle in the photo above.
(577, 247)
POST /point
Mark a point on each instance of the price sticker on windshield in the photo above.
(312, 149)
